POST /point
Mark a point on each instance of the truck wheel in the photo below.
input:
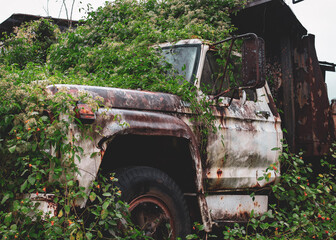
(156, 203)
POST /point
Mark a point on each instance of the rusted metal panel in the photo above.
(239, 153)
(253, 52)
(235, 208)
(311, 105)
(141, 123)
(135, 122)
(127, 99)
(132, 119)
(288, 93)
(105, 128)
(301, 93)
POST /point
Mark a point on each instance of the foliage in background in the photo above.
(29, 44)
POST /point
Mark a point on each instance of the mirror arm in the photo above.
(234, 90)
(245, 35)
(221, 94)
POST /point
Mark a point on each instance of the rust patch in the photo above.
(219, 173)
(102, 153)
(127, 99)
(243, 216)
(311, 103)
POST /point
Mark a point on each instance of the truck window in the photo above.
(212, 74)
(184, 60)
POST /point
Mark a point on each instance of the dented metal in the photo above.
(311, 106)
(242, 148)
(126, 98)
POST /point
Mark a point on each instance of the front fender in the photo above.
(114, 122)
(118, 121)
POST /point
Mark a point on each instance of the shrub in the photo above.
(29, 43)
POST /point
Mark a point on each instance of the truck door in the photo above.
(241, 150)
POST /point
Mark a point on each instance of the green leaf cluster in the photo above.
(29, 44)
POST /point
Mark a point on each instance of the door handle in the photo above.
(264, 114)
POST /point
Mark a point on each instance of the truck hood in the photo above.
(127, 99)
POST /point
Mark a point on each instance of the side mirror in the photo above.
(253, 62)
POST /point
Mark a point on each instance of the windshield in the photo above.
(184, 60)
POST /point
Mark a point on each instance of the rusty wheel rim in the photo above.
(152, 216)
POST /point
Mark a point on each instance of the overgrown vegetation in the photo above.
(29, 44)
(28, 168)
(114, 47)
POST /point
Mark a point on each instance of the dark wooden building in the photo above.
(295, 74)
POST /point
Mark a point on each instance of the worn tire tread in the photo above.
(154, 177)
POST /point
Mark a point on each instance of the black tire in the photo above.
(155, 200)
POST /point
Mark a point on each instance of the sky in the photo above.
(317, 16)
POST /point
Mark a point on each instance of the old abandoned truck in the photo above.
(163, 173)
